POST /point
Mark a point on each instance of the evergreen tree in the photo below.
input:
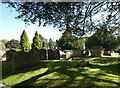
(44, 42)
(102, 37)
(24, 42)
(36, 42)
(67, 40)
(51, 44)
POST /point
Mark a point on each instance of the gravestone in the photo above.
(33, 57)
(57, 54)
(97, 51)
(42, 54)
(51, 54)
(9, 54)
(20, 60)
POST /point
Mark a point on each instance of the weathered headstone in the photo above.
(77, 53)
(20, 60)
(9, 54)
(34, 57)
(97, 51)
(42, 54)
(57, 54)
(68, 53)
(51, 54)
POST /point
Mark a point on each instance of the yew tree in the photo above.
(104, 38)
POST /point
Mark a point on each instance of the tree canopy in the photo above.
(13, 44)
(24, 42)
(104, 38)
(68, 40)
(36, 42)
(81, 16)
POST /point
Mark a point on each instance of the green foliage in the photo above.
(103, 37)
(51, 44)
(80, 14)
(24, 42)
(13, 44)
(44, 42)
(4, 41)
(103, 72)
(69, 41)
(36, 42)
(80, 43)
(2, 46)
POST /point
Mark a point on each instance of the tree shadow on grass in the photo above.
(61, 67)
(6, 69)
(85, 82)
(109, 65)
(45, 64)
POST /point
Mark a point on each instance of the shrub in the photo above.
(24, 42)
(36, 42)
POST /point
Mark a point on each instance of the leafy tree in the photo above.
(36, 42)
(13, 44)
(2, 46)
(116, 29)
(102, 37)
(81, 42)
(4, 41)
(67, 40)
(24, 42)
(80, 14)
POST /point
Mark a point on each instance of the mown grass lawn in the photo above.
(102, 72)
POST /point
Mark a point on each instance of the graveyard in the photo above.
(51, 71)
(58, 64)
(101, 72)
(60, 44)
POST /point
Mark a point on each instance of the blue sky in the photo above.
(11, 28)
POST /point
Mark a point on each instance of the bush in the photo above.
(25, 44)
(36, 42)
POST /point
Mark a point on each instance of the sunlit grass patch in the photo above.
(53, 73)
(18, 78)
(105, 84)
(104, 61)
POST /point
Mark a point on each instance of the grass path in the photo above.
(103, 71)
